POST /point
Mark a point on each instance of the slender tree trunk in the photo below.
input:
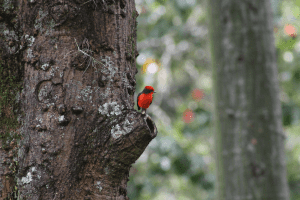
(249, 134)
(71, 132)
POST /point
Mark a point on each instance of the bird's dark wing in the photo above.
(137, 101)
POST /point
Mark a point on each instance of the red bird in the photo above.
(144, 99)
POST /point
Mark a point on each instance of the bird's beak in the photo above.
(154, 92)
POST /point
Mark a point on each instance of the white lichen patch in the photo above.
(7, 5)
(28, 178)
(95, 130)
(108, 69)
(12, 50)
(30, 40)
(17, 97)
(43, 93)
(38, 126)
(30, 54)
(86, 93)
(110, 108)
(116, 131)
(122, 129)
(128, 126)
(55, 97)
(125, 79)
(39, 21)
(9, 37)
(52, 71)
(98, 185)
(8, 34)
(39, 119)
(61, 118)
(50, 27)
(45, 66)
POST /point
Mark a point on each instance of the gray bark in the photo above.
(249, 133)
(77, 133)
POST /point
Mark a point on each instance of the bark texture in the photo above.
(249, 133)
(74, 133)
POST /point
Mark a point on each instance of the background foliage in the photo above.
(173, 36)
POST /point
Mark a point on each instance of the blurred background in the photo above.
(175, 59)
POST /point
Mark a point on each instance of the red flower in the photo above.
(188, 116)
(290, 30)
(197, 94)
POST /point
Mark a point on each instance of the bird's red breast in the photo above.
(144, 98)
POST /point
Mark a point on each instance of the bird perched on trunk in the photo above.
(144, 99)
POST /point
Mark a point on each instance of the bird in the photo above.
(144, 99)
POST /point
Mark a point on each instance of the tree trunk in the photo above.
(249, 134)
(72, 132)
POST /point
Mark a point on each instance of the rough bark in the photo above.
(74, 133)
(249, 133)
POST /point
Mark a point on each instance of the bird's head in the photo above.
(149, 89)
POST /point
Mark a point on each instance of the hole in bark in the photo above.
(122, 191)
(122, 3)
(52, 62)
(130, 90)
(150, 124)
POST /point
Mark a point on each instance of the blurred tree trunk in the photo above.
(68, 128)
(249, 133)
